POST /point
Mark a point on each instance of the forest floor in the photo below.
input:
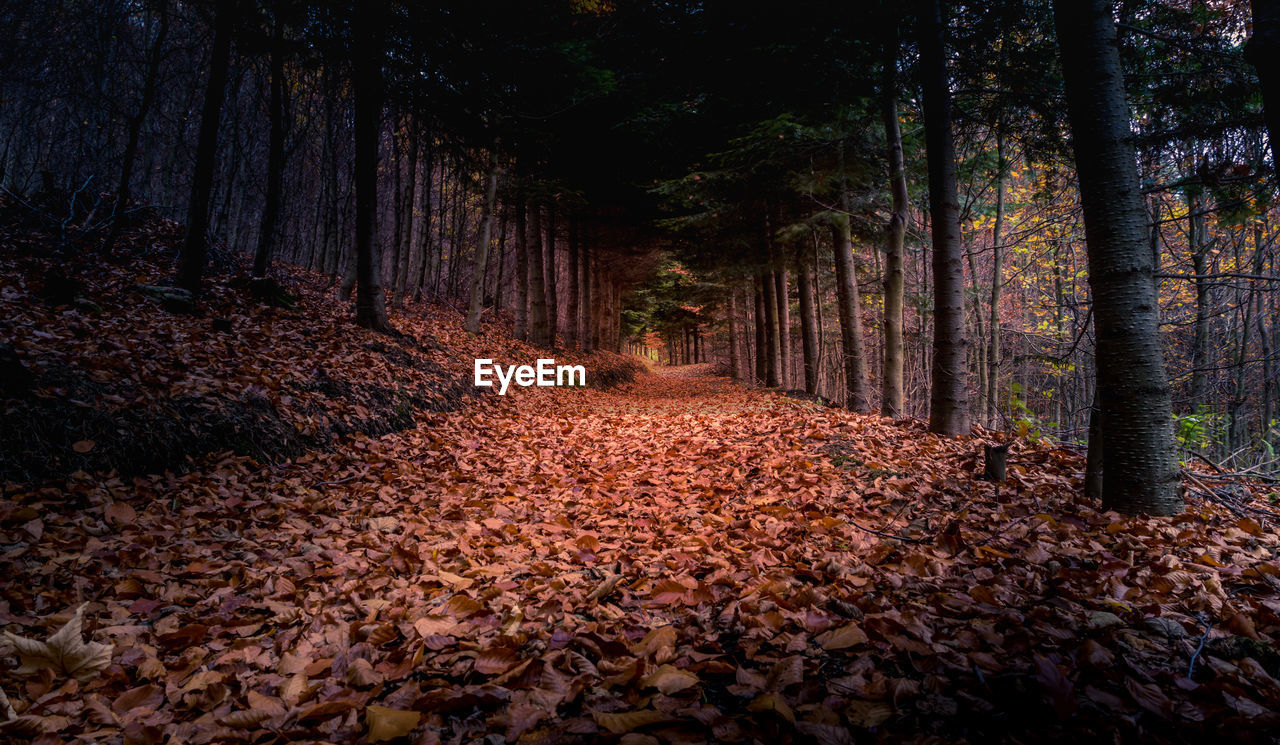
(677, 559)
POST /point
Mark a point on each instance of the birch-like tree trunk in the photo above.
(1139, 470)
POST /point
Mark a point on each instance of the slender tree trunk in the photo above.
(773, 374)
(267, 231)
(404, 254)
(949, 392)
(124, 191)
(522, 272)
(419, 271)
(539, 328)
(1140, 472)
(571, 321)
(553, 300)
(1264, 339)
(808, 321)
(482, 248)
(762, 337)
(366, 74)
(1093, 458)
(735, 350)
(891, 398)
(997, 279)
(587, 286)
(857, 390)
(980, 334)
(1199, 245)
(1263, 49)
(194, 250)
(781, 295)
(498, 293)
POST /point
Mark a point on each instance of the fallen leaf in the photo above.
(64, 652)
(387, 724)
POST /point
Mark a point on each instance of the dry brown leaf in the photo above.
(387, 724)
(868, 713)
(622, 722)
(669, 680)
(245, 718)
(849, 635)
(65, 652)
(360, 674)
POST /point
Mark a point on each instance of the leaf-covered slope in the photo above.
(97, 373)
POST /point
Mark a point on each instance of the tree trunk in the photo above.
(498, 294)
(419, 270)
(773, 372)
(522, 272)
(808, 321)
(1198, 244)
(735, 350)
(1263, 50)
(404, 241)
(194, 250)
(366, 82)
(949, 394)
(781, 296)
(482, 249)
(1093, 457)
(857, 393)
(1140, 473)
(997, 278)
(275, 153)
(891, 398)
(571, 322)
(1264, 338)
(539, 329)
(762, 337)
(124, 187)
(584, 303)
(553, 299)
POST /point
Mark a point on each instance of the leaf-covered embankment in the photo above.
(97, 374)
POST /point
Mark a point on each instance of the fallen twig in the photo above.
(1191, 667)
(317, 484)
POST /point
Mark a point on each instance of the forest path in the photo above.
(684, 557)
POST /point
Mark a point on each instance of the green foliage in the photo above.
(1025, 422)
(1200, 429)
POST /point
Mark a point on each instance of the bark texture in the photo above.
(1139, 470)
(949, 392)
(194, 251)
(808, 321)
(482, 250)
(857, 393)
(366, 73)
(1263, 50)
(539, 328)
(891, 396)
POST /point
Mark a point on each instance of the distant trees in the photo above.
(820, 223)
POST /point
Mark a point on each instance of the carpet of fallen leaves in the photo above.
(680, 560)
(685, 560)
